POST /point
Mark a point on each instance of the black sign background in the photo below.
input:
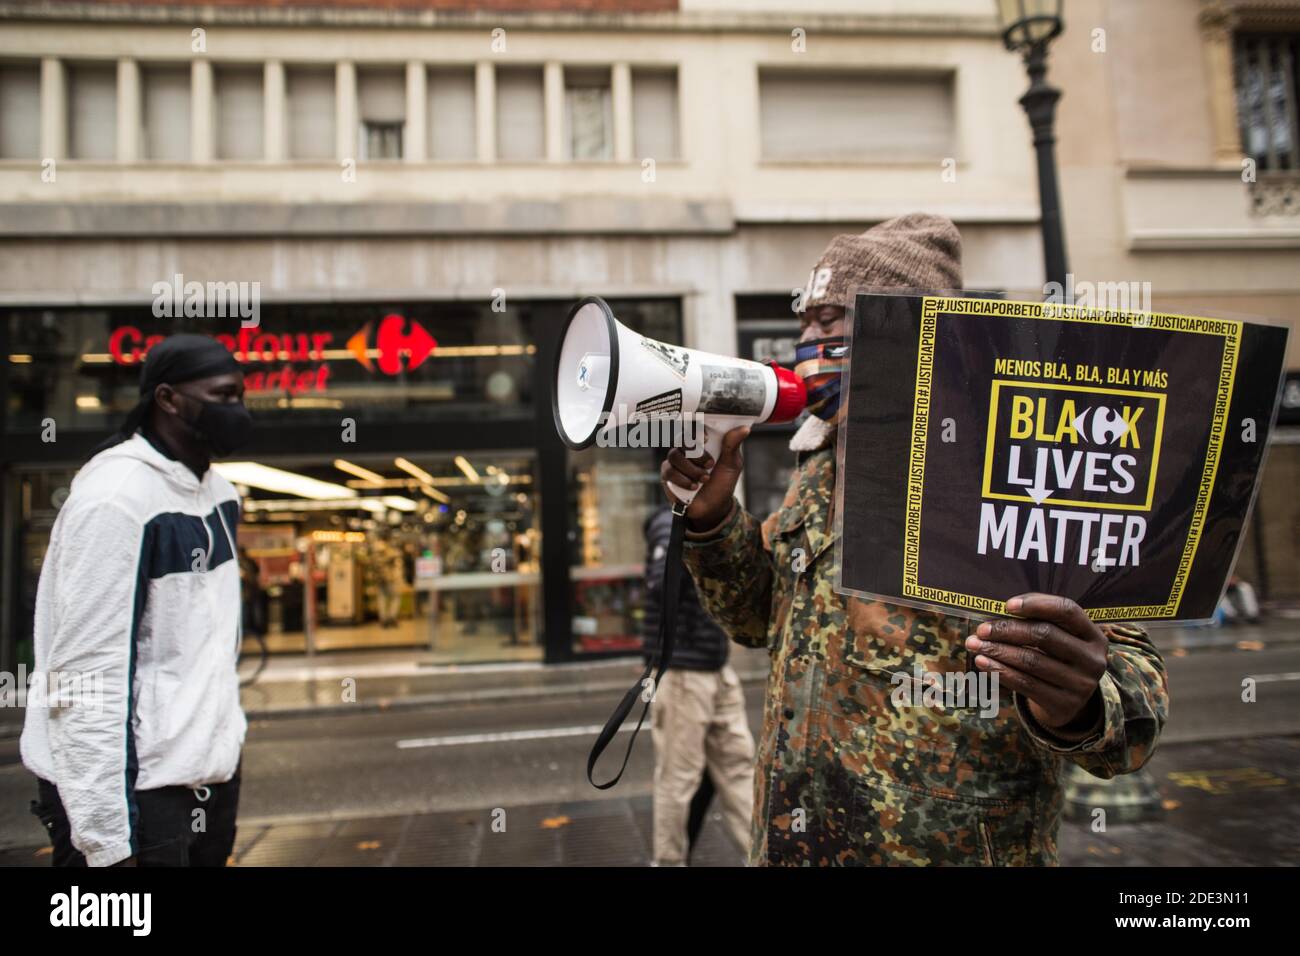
(883, 469)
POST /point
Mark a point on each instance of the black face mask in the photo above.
(222, 426)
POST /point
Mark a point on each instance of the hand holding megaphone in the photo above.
(609, 378)
(714, 482)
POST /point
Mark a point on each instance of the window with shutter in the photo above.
(520, 114)
(238, 112)
(588, 115)
(309, 112)
(92, 111)
(20, 111)
(654, 114)
(451, 108)
(165, 112)
(381, 110)
(863, 117)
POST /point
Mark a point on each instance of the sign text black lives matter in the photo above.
(994, 448)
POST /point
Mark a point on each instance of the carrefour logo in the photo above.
(392, 342)
(128, 345)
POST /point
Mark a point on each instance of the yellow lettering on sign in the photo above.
(1131, 416)
(1065, 424)
(1022, 416)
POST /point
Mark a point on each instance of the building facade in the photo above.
(372, 178)
(469, 171)
(1179, 153)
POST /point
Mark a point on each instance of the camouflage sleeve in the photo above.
(1135, 704)
(733, 576)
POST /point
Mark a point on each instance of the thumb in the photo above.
(729, 454)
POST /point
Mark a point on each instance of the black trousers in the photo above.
(169, 831)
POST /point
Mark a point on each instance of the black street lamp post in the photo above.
(1029, 26)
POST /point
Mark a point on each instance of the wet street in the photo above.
(503, 782)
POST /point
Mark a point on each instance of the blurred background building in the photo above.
(1180, 167)
(421, 188)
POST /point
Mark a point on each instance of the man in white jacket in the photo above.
(139, 600)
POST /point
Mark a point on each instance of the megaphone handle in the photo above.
(713, 446)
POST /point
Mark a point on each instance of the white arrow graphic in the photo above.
(1040, 492)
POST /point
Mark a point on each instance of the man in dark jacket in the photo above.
(698, 717)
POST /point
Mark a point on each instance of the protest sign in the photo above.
(993, 448)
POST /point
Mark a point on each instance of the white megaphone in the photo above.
(607, 377)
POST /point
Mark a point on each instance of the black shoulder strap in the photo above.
(667, 635)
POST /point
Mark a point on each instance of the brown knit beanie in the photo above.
(916, 251)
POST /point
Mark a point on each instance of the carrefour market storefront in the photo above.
(405, 454)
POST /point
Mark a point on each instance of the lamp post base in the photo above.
(1127, 798)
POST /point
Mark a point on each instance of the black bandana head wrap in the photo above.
(177, 359)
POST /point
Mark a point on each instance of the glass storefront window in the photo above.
(484, 560)
(614, 492)
(437, 551)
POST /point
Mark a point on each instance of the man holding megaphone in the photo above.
(844, 774)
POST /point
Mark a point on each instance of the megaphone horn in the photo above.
(607, 376)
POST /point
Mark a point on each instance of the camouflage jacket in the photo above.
(843, 775)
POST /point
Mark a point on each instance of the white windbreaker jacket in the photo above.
(139, 592)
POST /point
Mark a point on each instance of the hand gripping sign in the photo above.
(993, 448)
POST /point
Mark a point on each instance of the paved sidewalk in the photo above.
(296, 686)
(355, 682)
(1230, 804)
(351, 683)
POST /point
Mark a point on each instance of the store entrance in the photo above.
(353, 543)
(430, 551)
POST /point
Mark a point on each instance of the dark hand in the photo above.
(717, 482)
(1053, 655)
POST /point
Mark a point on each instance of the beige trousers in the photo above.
(698, 723)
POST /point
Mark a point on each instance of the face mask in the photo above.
(820, 363)
(222, 426)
